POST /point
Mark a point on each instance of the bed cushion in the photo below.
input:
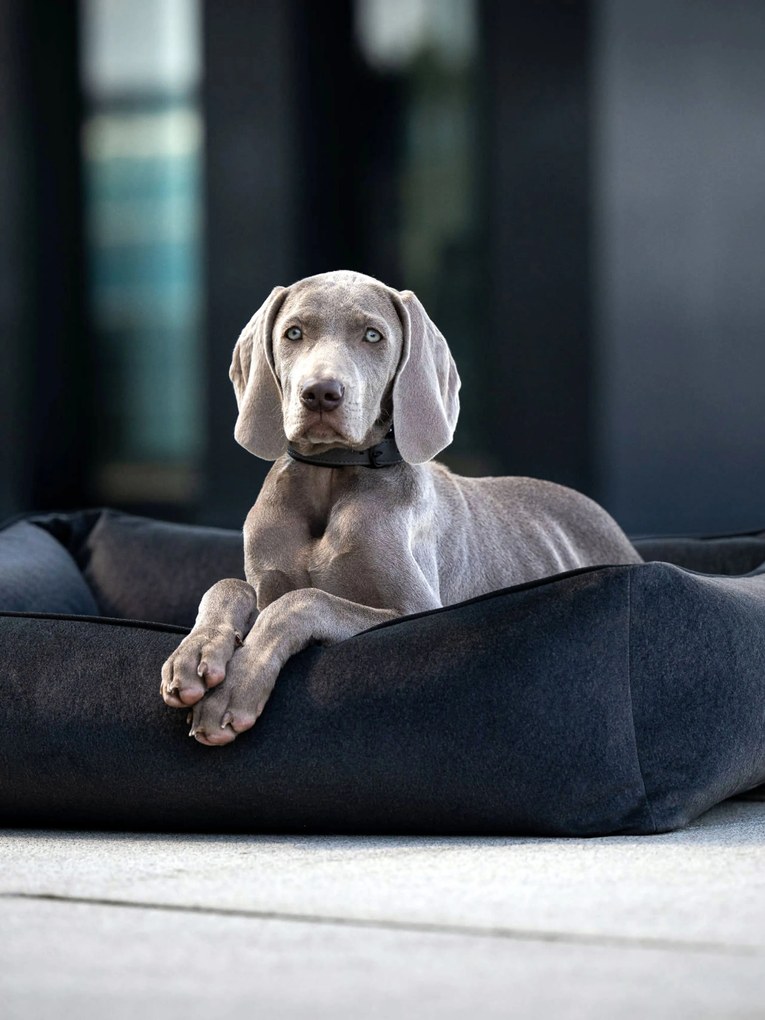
(38, 575)
(142, 569)
(724, 554)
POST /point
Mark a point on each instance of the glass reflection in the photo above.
(142, 144)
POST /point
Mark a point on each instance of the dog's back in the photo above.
(497, 532)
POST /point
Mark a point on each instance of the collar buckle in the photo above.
(375, 454)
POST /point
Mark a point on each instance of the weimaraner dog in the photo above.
(355, 523)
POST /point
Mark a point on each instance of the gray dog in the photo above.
(355, 524)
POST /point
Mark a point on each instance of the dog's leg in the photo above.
(282, 629)
(226, 614)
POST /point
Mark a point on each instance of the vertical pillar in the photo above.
(540, 384)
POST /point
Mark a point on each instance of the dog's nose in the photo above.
(322, 394)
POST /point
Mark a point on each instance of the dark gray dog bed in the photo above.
(625, 699)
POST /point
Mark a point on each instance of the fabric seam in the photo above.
(632, 703)
(110, 621)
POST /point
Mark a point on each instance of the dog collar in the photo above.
(382, 454)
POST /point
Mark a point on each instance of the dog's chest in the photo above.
(327, 536)
(337, 537)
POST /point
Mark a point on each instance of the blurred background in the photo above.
(576, 190)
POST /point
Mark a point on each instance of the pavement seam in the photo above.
(422, 927)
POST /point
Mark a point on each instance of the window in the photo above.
(142, 154)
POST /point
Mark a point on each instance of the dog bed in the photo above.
(624, 699)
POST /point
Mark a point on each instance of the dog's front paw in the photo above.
(198, 664)
(235, 706)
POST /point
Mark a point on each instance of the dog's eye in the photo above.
(373, 336)
(294, 333)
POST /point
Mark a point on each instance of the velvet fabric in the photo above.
(625, 699)
(38, 575)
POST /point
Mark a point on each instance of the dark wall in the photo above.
(46, 390)
(680, 185)
(14, 275)
(538, 234)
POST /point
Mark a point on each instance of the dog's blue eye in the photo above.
(372, 336)
(294, 333)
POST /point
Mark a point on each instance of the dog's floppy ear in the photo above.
(259, 427)
(425, 391)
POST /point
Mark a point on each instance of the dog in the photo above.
(349, 387)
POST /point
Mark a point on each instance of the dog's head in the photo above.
(333, 360)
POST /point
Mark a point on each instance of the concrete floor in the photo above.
(113, 925)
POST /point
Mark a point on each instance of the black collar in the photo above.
(383, 454)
